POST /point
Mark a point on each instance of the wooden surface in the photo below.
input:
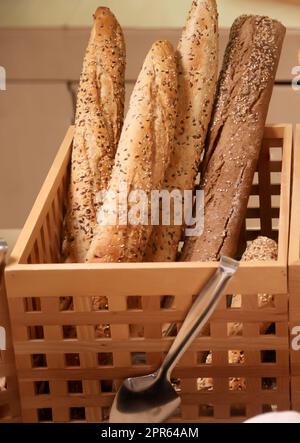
(101, 363)
(38, 105)
(294, 270)
(294, 250)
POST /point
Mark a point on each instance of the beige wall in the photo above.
(37, 107)
(158, 13)
(43, 67)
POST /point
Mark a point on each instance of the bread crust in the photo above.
(197, 62)
(143, 154)
(236, 133)
(98, 123)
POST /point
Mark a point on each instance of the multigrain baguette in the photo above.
(142, 157)
(236, 133)
(197, 61)
(99, 119)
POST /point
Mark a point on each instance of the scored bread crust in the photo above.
(98, 123)
(197, 61)
(236, 133)
(143, 154)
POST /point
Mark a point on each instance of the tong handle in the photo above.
(3, 250)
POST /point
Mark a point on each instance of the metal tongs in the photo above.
(3, 250)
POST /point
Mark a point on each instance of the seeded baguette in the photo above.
(236, 133)
(197, 61)
(99, 119)
(143, 155)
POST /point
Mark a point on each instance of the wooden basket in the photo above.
(9, 397)
(80, 375)
(294, 273)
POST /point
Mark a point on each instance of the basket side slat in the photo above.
(42, 204)
(265, 205)
(294, 276)
(285, 196)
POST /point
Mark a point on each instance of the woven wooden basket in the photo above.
(66, 379)
(294, 274)
(9, 396)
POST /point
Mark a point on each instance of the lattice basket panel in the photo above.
(79, 330)
(9, 396)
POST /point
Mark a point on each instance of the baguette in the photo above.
(197, 60)
(236, 133)
(142, 157)
(99, 118)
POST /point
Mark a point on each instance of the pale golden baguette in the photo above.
(143, 154)
(99, 119)
(197, 60)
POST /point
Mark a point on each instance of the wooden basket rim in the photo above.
(37, 214)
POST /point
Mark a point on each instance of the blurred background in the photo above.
(41, 48)
(141, 13)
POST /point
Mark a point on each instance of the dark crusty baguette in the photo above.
(236, 133)
(197, 60)
(99, 119)
(142, 157)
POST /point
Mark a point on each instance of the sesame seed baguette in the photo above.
(99, 119)
(236, 134)
(143, 154)
(197, 60)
